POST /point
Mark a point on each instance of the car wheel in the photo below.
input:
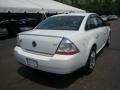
(91, 62)
(109, 40)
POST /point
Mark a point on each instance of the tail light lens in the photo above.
(66, 47)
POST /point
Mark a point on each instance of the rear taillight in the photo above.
(66, 47)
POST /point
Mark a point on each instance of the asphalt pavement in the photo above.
(106, 75)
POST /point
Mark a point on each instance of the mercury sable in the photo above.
(63, 43)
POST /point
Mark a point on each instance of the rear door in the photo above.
(94, 31)
(103, 28)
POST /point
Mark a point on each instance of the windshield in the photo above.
(61, 23)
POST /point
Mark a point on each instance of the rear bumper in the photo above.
(59, 64)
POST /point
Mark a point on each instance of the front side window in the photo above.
(61, 23)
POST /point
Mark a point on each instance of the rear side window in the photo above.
(94, 22)
(100, 22)
(91, 23)
(61, 23)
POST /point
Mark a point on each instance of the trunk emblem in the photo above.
(34, 44)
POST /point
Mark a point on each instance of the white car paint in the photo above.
(45, 56)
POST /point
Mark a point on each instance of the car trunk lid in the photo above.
(40, 41)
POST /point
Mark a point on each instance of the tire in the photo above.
(109, 40)
(91, 62)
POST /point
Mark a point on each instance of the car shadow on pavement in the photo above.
(49, 79)
(53, 80)
(102, 51)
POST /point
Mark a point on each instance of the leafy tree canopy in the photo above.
(98, 6)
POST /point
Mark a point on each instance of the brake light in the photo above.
(66, 47)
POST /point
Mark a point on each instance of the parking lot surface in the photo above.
(106, 75)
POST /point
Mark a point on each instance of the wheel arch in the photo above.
(90, 47)
(94, 46)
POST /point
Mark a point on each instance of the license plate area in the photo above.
(31, 62)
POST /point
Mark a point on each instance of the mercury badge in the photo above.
(34, 44)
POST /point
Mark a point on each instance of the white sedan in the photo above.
(63, 43)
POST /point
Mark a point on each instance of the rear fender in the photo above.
(90, 45)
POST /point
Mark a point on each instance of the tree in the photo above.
(97, 6)
(118, 6)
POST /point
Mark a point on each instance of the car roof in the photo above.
(74, 14)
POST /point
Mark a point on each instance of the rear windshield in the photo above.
(61, 23)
